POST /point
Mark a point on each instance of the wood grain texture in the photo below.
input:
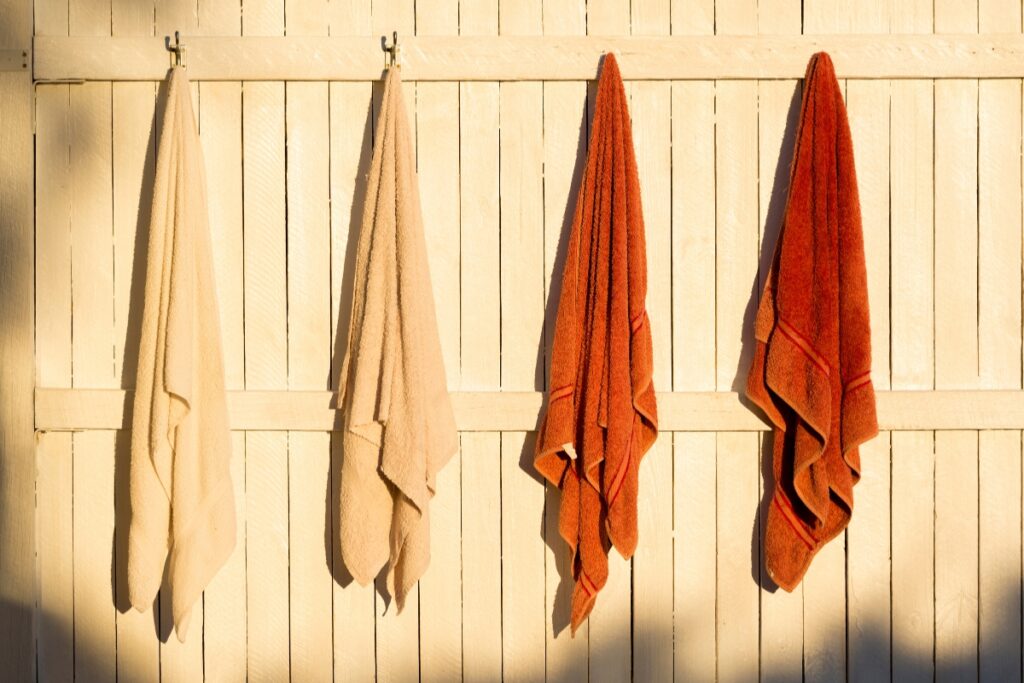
(266, 367)
(480, 368)
(54, 475)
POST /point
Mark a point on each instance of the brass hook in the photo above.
(178, 49)
(395, 51)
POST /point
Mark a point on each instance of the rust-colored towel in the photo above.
(601, 415)
(399, 426)
(812, 363)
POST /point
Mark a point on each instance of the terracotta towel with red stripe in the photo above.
(812, 363)
(601, 415)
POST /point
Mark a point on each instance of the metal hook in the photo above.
(178, 49)
(395, 51)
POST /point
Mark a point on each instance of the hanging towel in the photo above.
(399, 428)
(812, 362)
(182, 501)
(601, 414)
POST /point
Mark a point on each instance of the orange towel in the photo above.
(601, 414)
(812, 364)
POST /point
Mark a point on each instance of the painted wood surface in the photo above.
(925, 584)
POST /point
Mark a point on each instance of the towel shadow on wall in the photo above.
(772, 228)
(162, 621)
(332, 497)
(561, 610)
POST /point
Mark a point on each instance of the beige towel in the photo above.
(182, 504)
(399, 428)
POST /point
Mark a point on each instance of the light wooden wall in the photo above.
(927, 580)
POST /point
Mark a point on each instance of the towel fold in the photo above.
(399, 428)
(181, 496)
(811, 372)
(601, 416)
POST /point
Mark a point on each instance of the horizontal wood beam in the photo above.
(518, 58)
(84, 409)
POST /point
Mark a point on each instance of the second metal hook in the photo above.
(178, 49)
(395, 51)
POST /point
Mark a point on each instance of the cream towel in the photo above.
(182, 503)
(399, 428)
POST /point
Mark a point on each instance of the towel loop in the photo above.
(395, 51)
(178, 49)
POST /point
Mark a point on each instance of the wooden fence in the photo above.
(926, 583)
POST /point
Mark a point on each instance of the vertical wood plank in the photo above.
(438, 166)
(49, 18)
(521, 107)
(868, 567)
(737, 600)
(999, 233)
(736, 281)
(868, 561)
(693, 235)
(824, 614)
(480, 358)
(93, 364)
(999, 352)
(912, 236)
(913, 552)
(608, 18)
(651, 109)
(172, 15)
(913, 358)
(266, 364)
(999, 549)
(220, 125)
(693, 302)
(481, 557)
(956, 555)
(309, 362)
(54, 520)
(88, 17)
(956, 214)
(522, 325)
(309, 357)
(693, 362)
(695, 555)
(956, 359)
(93, 523)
